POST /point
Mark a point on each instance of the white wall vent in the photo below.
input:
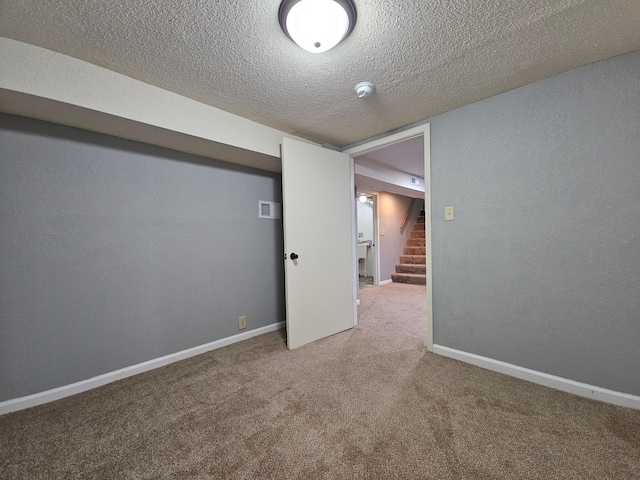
(269, 210)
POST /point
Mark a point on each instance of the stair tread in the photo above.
(411, 268)
(413, 259)
(411, 278)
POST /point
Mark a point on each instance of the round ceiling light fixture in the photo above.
(317, 25)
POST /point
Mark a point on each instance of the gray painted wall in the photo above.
(115, 252)
(391, 211)
(541, 267)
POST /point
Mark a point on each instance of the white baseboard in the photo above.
(385, 282)
(559, 383)
(84, 385)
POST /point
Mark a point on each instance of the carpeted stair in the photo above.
(413, 264)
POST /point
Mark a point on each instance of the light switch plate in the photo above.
(449, 213)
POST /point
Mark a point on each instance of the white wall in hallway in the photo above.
(365, 228)
(391, 211)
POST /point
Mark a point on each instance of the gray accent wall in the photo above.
(541, 267)
(114, 252)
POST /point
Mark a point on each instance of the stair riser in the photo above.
(416, 242)
(421, 269)
(412, 268)
(400, 278)
(414, 259)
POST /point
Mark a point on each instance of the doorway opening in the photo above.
(397, 168)
(367, 225)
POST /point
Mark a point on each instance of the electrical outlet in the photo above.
(449, 214)
(242, 323)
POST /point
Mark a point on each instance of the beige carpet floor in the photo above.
(369, 403)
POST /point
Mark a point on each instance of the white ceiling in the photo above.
(406, 156)
(371, 185)
(424, 57)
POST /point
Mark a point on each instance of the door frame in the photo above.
(425, 132)
(375, 239)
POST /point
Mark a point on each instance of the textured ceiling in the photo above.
(424, 57)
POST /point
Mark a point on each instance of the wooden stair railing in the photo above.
(408, 214)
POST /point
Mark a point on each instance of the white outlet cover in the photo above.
(449, 213)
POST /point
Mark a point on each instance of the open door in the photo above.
(319, 242)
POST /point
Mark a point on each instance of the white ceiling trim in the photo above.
(386, 141)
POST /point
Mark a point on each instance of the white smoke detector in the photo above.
(364, 89)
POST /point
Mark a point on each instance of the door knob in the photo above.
(293, 256)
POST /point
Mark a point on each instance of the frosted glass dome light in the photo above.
(317, 25)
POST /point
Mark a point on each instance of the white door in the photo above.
(319, 242)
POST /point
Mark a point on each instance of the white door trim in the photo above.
(354, 238)
(424, 131)
(376, 240)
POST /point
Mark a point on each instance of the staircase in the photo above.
(413, 264)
